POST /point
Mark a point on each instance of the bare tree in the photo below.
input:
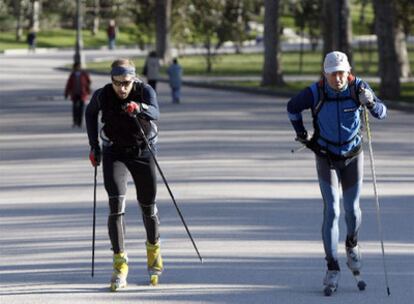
(96, 17)
(386, 27)
(337, 27)
(405, 19)
(34, 14)
(19, 12)
(402, 53)
(163, 25)
(272, 70)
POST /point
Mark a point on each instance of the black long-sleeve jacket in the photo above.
(119, 128)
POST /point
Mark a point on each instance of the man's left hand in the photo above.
(366, 97)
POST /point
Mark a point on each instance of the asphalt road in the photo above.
(254, 209)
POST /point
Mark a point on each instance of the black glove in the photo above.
(303, 138)
(95, 156)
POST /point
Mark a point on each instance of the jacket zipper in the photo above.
(338, 118)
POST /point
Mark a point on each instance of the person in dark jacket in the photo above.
(78, 87)
(31, 40)
(127, 105)
(337, 102)
(111, 32)
(175, 73)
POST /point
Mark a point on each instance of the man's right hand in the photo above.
(303, 138)
(95, 156)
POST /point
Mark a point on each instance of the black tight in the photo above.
(116, 166)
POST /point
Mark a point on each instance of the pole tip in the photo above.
(388, 291)
(201, 260)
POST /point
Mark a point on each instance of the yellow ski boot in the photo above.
(154, 262)
(120, 272)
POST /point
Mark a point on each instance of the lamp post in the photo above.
(79, 57)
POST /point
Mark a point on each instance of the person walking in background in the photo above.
(31, 40)
(78, 86)
(336, 103)
(126, 104)
(152, 69)
(111, 33)
(174, 72)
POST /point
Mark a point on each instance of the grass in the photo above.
(62, 38)
(251, 65)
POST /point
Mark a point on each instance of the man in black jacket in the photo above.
(126, 106)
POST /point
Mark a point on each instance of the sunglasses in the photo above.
(121, 83)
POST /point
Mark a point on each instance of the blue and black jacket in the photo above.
(337, 118)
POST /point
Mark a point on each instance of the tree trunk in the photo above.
(209, 55)
(34, 15)
(96, 19)
(272, 71)
(19, 18)
(163, 25)
(403, 60)
(385, 28)
(337, 27)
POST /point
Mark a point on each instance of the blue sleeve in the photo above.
(304, 100)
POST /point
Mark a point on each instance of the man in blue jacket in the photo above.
(337, 102)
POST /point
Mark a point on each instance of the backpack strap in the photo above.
(354, 88)
(319, 99)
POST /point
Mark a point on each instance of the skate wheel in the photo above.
(362, 285)
(115, 286)
(328, 291)
(154, 280)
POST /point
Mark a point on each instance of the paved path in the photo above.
(253, 208)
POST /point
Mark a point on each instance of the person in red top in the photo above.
(78, 87)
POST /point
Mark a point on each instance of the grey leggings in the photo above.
(348, 174)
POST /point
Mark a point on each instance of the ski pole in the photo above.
(166, 185)
(374, 180)
(298, 149)
(94, 221)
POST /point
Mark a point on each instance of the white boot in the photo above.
(353, 256)
(330, 281)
